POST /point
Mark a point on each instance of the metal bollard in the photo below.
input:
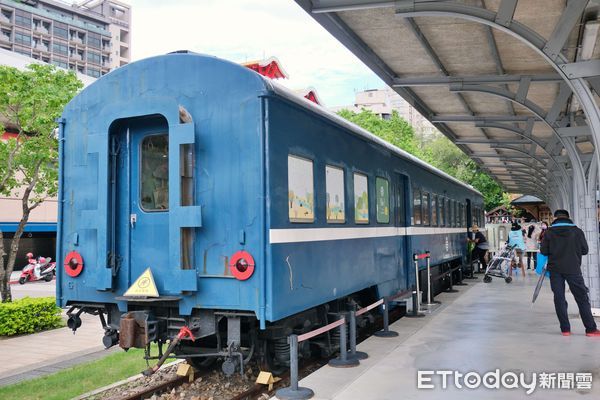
(386, 322)
(461, 278)
(430, 301)
(343, 361)
(450, 289)
(293, 392)
(416, 302)
(359, 355)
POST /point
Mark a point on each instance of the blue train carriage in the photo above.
(196, 193)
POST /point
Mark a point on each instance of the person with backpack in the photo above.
(564, 244)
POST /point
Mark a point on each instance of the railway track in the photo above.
(211, 384)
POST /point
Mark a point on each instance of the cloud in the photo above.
(243, 30)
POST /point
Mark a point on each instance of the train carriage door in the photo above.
(400, 222)
(149, 199)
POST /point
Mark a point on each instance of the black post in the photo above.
(343, 361)
(359, 355)
(450, 289)
(293, 392)
(386, 322)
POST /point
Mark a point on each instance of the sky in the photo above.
(245, 30)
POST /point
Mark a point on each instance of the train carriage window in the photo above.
(463, 212)
(442, 213)
(416, 218)
(382, 187)
(361, 199)
(434, 210)
(334, 184)
(154, 176)
(300, 190)
(453, 208)
(426, 210)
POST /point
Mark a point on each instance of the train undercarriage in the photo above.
(231, 337)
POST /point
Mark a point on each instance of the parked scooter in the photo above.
(45, 267)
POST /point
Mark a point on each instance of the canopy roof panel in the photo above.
(497, 77)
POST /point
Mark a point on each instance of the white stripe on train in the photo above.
(296, 235)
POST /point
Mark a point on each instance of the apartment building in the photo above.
(91, 37)
(383, 102)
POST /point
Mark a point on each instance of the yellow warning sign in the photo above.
(144, 286)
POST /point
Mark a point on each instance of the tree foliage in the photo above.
(30, 102)
(437, 151)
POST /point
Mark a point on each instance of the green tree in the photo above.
(394, 130)
(443, 154)
(439, 152)
(30, 102)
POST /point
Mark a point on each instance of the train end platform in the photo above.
(489, 334)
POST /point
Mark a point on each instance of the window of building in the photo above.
(23, 19)
(426, 210)
(154, 176)
(93, 57)
(300, 189)
(93, 72)
(382, 187)
(22, 50)
(60, 30)
(434, 210)
(416, 218)
(6, 15)
(361, 199)
(60, 48)
(334, 184)
(60, 63)
(22, 38)
(94, 40)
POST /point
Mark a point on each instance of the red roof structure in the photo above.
(270, 67)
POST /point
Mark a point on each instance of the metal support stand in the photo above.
(430, 302)
(416, 302)
(460, 278)
(353, 354)
(343, 361)
(450, 289)
(293, 392)
(386, 322)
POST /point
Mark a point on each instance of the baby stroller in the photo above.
(500, 264)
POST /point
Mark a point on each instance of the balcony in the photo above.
(4, 19)
(41, 29)
(76, 57)
(5, 37)
(42, 47)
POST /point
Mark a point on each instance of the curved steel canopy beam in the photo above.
(530, 38)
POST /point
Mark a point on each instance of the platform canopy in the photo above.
(513, 83)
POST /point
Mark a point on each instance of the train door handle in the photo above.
(132, 220)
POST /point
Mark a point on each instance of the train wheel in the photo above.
(487, 279)
(267, 360)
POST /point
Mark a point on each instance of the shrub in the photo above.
(29, 315)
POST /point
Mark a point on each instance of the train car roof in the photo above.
(288, 94)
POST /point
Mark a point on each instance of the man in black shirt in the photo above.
(565, 244)
(481, 246)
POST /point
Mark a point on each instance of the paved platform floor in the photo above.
(483, 328)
